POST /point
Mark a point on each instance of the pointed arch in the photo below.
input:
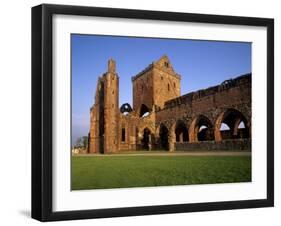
(232, 118)
(201, 129)
(143, 110)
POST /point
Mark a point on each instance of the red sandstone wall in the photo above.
(209, 103)
(150, 87)
(111, 109)
(166, 86)
(157, 84)
(96, 119)
(143, 91)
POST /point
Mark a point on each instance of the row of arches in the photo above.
(230, 124)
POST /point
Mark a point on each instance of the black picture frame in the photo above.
(42, 111)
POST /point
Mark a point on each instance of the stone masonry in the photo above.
(162, 119)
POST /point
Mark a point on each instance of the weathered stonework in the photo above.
(224, 145)
(163, 119)
(155, 85)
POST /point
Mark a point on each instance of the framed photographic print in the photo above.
(145, 112)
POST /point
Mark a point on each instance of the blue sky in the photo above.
(200, 63)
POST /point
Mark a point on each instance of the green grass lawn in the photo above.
(96, 172)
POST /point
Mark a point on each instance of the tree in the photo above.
(82, 142)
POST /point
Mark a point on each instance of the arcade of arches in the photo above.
(230, 124)
(160, 118)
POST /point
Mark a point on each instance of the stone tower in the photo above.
(155, 85)
(104, 124)
(111, 108)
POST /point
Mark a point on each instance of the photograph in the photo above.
(141, 112)
(149, 112)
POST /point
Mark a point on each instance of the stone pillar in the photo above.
(172, 140)
(149, 142)
(192, 133)
(217, 134)
(217, 131)
(234, 129)
(181, 137)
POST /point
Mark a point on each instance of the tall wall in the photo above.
(111, 108)
(143, 89)
(133, 127)
(166, 83)
(104, 122)
(210, 106)
(234, 93)
(97, 120)
(155, 85)
(182, 117)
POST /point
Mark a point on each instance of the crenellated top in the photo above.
(163, 64)
(142, 72)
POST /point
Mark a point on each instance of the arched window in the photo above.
(232, 125)
(202, 129)
(126, 109)
(144, 110)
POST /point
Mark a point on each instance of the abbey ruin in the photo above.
(160, 118)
